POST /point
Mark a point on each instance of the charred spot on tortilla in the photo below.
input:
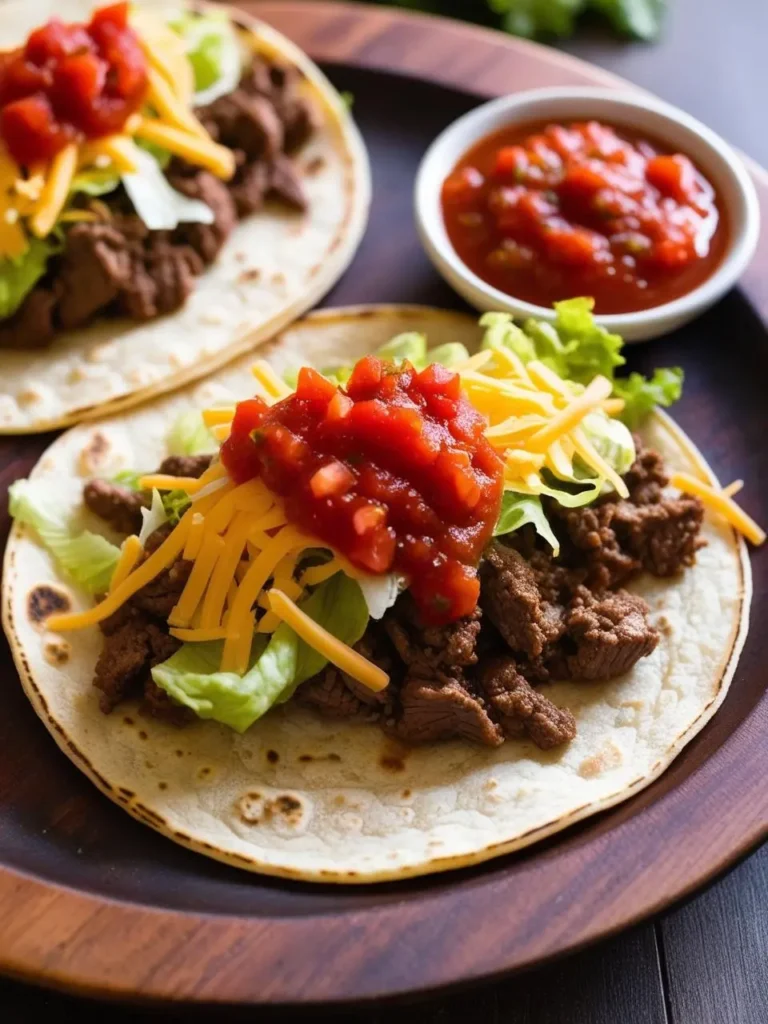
(94, 454)
(128, 720)
(57, 651)
(314, 165)
(272, 756)
(44, 600)
(255, 809)
(391, 763)
(251, 274)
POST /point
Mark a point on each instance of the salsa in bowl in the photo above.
(548, 194)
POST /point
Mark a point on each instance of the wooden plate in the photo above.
(90, 900)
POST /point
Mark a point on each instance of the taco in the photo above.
(385, 614)
(179, 182)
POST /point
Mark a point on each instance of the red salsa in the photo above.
(393, 471)
(70, 82)
(553, 211)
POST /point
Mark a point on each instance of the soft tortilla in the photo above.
(275, 265)
(303, 797)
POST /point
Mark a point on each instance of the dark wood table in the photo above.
(704, 963)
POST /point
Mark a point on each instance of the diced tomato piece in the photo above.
(331, 479)
(52, 42)
(671, 255)
(339, 407)
(283, 444)
(510, 160)
(376, 550)
(673, 176)
(463, 186)
(574, 246)
(439, 380)
(20, 79)
(78, 83)
(365, 379)
(367, 518)
(106, 19)
(31, 131)
(314, 387)
(582, 181)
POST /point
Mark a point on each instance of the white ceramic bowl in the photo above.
(642, 113)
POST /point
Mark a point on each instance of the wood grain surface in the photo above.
(90, 900)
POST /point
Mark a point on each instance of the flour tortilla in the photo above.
(275, 265)
(303, 797)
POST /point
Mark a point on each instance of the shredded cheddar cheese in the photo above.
(338, 653)
(720, 502)
(535, 418)
(130, 553)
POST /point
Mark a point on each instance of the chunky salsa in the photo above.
(552, 211)
(393, 471)
(69, 82)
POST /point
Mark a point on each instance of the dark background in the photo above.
(704, 963)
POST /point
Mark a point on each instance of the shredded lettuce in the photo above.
(519, 509)
(642, 394)
(612, 440)
(190, 436)
(175, 504)
(450, 354)
(191, 676)
(128, 478)
(19, 275)
(158, 204)
(411, 346)
(381, 592)
(214, 51)
(94, 182)
(578, 349)
(87, 558)
(152, 518)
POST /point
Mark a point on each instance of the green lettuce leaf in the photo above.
(191, 676)
(87, 558)
(94, 182)
(538, 17)
(190, 436)
(612, 440)
(578, 349)
(214, 52)
(18, 276)
(519, 509)
(642, 394)
(411, 346)
(639, 18)
(450, 354)
(128, 478)
(175, 504)
(154, 199)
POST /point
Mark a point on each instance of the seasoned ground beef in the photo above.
(615, 539)
(118, 506)
(185, 465)
(120, 268)
(523, 710)
(432, 710)
(608, 634)
(512, 600)
(432, 651)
